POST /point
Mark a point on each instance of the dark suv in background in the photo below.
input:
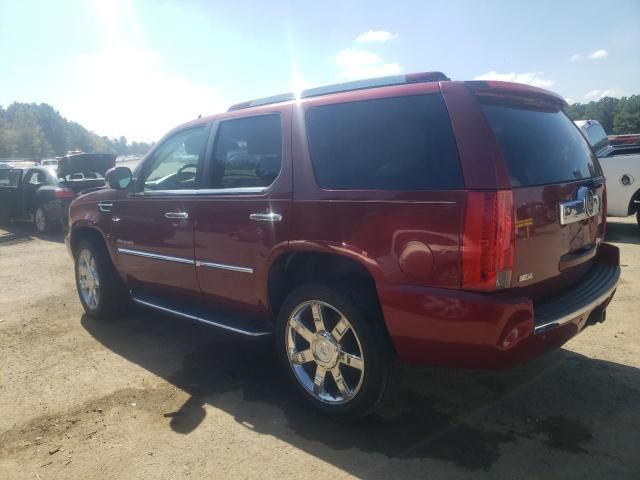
(411, 218)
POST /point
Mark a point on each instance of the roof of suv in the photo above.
(400, 81)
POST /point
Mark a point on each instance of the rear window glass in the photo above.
(540, 146)
(402, 143)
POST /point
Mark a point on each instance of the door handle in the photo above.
(266, 217)
(177, 215)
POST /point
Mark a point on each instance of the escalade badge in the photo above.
(587, 205)
(590, 203)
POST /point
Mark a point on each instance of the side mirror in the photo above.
(119, 177)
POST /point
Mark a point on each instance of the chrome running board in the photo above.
(235, 324)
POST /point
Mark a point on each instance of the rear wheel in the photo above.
(332, 352)
(100, 289)
(40, 221)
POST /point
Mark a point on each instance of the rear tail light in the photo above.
(488, 240)
(63, 193)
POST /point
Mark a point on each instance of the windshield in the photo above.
(597, 136)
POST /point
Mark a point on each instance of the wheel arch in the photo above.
(633, 206)
(86, 232)
(298, 267)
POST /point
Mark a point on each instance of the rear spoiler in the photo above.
(517, 91)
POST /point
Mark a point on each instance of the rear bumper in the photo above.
(474, 330)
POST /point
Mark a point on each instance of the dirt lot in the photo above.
(148, 396)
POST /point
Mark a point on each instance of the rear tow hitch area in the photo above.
(599, 315)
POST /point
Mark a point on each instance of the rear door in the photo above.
(558, 189)
(244, 214)
(153, 226)
(32, 181)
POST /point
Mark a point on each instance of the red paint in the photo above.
(410, 242)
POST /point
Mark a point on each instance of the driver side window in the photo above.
(174, 165)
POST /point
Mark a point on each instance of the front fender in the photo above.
(86, 219)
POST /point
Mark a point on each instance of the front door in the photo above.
(153, 226)
(244, 216)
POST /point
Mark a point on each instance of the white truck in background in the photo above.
(621, 166)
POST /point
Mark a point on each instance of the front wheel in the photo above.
(100, 289)
(333, 352)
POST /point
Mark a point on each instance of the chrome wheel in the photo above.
(324, 352)
(88, 279)
(41, 220)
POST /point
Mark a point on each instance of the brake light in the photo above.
(63, 193)
(488, 240)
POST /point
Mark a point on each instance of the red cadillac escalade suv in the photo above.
(408, 218)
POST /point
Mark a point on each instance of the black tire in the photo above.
(378, 374)
(638, 217)
(40, 221)
(112, 295)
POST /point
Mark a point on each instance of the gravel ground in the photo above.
(148, 396)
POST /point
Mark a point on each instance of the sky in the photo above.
(139, 68)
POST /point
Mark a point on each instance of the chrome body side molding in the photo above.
(187, 261)
(154, 256)
(222, 266)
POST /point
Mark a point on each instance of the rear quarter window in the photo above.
(400, 143)
(540, 146)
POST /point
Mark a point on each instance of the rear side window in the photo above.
(248, 152)
(540, 146)
(401, 143)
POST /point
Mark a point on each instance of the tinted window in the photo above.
(9, 178)
(248, 152)
(403, 143)
(36, 178)
(540, 146)
(174, 165)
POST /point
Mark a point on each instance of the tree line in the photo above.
(35, 131)
(617, 115)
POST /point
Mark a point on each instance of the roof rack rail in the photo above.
(421, 77)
